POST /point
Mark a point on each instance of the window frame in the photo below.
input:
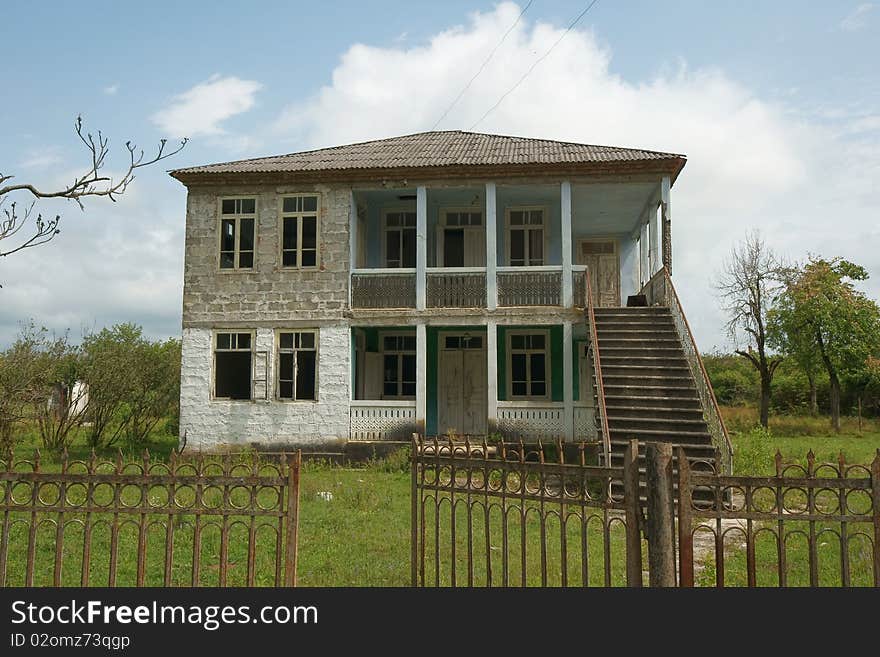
(442, 225)
(547, 351)
(215, 333)
(279, 351)
(385, 228)
(282, 215)
(399, 353)
(545, 210)
(237, 218)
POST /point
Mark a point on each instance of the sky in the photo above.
(776, 105)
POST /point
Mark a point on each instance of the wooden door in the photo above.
(604, 262)
(461, 386)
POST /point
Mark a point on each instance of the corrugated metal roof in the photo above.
(436, 149)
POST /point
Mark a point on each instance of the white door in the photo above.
(461, 240)
(461, 394)
(604, 263)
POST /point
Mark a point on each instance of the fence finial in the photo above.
(778, 460)
(93, 461)
(64, 460)
(811, 463)
(36, 460)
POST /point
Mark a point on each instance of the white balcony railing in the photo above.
(456, 287)
(531, 420)
(383, 288)
(530, 286)
(382, 419)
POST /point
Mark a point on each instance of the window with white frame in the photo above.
(400, 239)
(233, 365)
(529, 361)
(299, 231)
(525, 237)
(399, 366)
(237, 232)
(298, 365)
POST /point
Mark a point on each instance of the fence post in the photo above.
(875, 498)
(414, 510)
(660, 525)
(685, 522)
(293, 468)
(633, 513)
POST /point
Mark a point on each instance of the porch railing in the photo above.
(530, 286)
(382, 419)
(660, 291)
(597, 370)
(383, 288)
(579, 286)
(456, 287)
(531, 419)
(585, 428)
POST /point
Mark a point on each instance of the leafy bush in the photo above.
(753, 452)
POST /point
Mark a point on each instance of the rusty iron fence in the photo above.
(522, 515)
(812, 525)
(222, 521)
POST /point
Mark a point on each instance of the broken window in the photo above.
(233, 354)
(298, 365)
(400, 239)
(399, 366)
(299, 231)
(237, 233)
(525, 237)
(529, 360)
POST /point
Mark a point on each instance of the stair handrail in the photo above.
(597, 370)
(711, 411)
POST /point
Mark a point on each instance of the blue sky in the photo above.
(776, 104)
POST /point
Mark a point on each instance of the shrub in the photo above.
(753, 452)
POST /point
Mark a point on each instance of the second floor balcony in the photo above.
(498, 246)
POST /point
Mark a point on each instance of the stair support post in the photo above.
(633, 515)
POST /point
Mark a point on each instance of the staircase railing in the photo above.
(597, 371)
(660, 291)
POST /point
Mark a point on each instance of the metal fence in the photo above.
(812, 525)
(516, 515)
(228, 520)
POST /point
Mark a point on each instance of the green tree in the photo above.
(821, 315)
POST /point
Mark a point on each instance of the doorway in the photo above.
(461, 239)
(461, 383)
(603, 260)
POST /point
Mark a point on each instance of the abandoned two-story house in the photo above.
(437, 282)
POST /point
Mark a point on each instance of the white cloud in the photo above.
(857, 18)
(752, 162)
(111, 90)
(41, 158)
(201, 110)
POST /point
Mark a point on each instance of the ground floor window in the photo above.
(298, 365)
(233, 365)
(528, 365)
(399, 366)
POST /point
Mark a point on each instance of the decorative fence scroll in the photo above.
(511, 515)
(813, 525)
(222, 521)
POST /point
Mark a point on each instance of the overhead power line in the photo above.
(536, 62)
(482, 66)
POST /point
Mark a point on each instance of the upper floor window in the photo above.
(529, 365)
(298, 365)
(233, 362)
(237, 233)
(400, 239)
(525, 237)
(399, 366)
(299, 231)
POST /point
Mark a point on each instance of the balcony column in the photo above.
(653, 244)
(421, 378)
(567, 381)
(421, 246)
(352, 242)
(491, 249)
(567, 300)
(492, 375)
(666, 219)
(644, 271)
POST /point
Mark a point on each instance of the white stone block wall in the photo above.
(209, 423)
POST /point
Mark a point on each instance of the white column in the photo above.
(566, 244)
(421, 246)
(654, 248)
(492, 374)
(352, 241)
(666, 220)
(491, 249)
(421, 377)
(567, 381)
(644, 272)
